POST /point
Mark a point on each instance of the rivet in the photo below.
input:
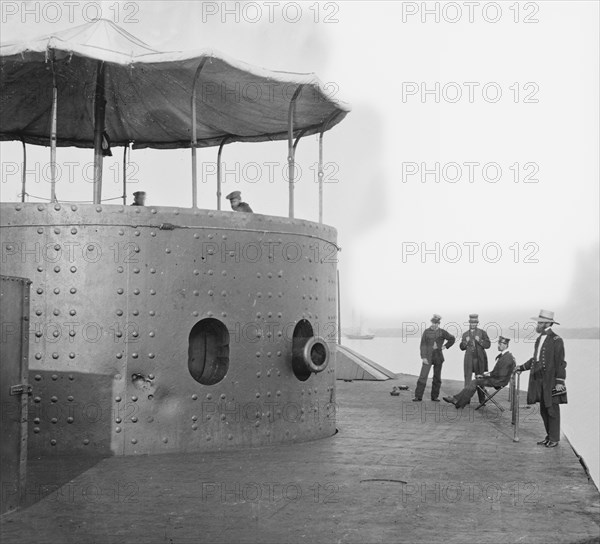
(118, 376)
(208, 438)
(73, 230)
(195, 313)
(70, 398)
(137, 233)
(230, 437)
(210, 272)
(118, 429)
(259, 294)
(56, 334)
(151, 334)
(224, 314)
(86, 441)
(40, 208)
(56, 291)
(37, 399)
(56, 311)
(152, 233)
(134, 398)
(258, 353)
(196, 292)
(56, 230)
(120, 291)
(57, 269)
(136, 249)
(257, 395)
(72, 312)
(209, 314)
(258, 374)
(73, 269)
(196, 272)
(53, 442)
(152, 313)
(54, 420)
(194, 397)
(224, 273)
(136, 291)
(223, 293)
(121, 232)
(38, 312)
(165, 439)
(134, 354)
(194, 427)
(222, 396)
(117, 399)
(167, 250)
(269, 275)
(40, 230)
(71, 333)
(54, 398)
(98, 209)
(18, 207)
(74, 207)
(136, 312)
(153, 211)
(70, 420)
(36, 420)
(153, 271)
(208, 396)
(136, 270)
(55, 356)
(37, 377)
(149, 419)
(134, 419)
(258, 274)
(134, 440)
(39, 291)
(152, 292)
(223, 417)
(38, 334)
(151, 356)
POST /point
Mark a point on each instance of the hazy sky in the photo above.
(502, 97)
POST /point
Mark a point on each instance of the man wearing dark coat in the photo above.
(474, 342)
(498, 377)
(433, 341)
(547, 377)
(235, 199)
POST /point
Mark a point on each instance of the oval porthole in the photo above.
(208, 351)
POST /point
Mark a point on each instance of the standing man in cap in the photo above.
(474, 342)
(139, 198)
(547, 377)
(432, 344)
(498, 377)
(235, 199)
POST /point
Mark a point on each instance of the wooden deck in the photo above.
(396, 471)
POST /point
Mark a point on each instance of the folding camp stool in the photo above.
(490, 398)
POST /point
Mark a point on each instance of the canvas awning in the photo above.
(149, 93)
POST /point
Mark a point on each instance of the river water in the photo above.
(580, 417)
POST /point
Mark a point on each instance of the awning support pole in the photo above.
(339, 310)
(194, 136)
(53, 116)
(99, 113)
(291, 165)
(321, 175)
(125, 174)
(223, 142)
(23, 176)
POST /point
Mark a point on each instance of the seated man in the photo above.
(498, 377)
(237, 205)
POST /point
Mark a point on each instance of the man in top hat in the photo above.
(498, 377)
(432, 344)
(235, 199)
(547, 377)
(139, 198)
(474, 342)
